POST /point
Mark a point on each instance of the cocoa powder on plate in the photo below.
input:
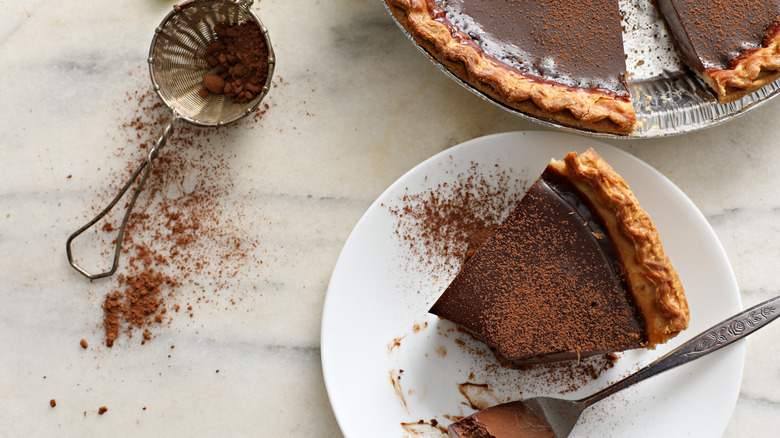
(436, 224)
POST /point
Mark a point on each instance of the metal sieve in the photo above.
(177, 64)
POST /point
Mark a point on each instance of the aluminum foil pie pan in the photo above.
(668, 98)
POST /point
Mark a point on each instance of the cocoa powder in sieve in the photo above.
(239, 59)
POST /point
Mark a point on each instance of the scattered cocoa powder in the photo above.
(437, 223)
(213, 84)
(140, 300)
(188, 237)
(570, 375)
(239, 62)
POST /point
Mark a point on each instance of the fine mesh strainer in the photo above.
(177, 64)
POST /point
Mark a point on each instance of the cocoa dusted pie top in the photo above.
(558, 59)
(732, 46)
(576, 269)
(545, 39)
(564, 59)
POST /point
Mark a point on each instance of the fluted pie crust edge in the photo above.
(651, 278)
(580, 108)
(752, 70)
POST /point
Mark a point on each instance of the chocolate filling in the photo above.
(577, 44)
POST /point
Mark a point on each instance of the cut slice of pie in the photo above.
(558, 60)
(734, 46)
(576, 269)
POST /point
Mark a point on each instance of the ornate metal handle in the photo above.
(712, 339)
(146, 168)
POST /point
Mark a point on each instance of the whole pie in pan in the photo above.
(565, 61)
(576, 269)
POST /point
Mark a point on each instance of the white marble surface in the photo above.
(355, 106)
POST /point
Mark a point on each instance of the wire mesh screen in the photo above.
(177, 63)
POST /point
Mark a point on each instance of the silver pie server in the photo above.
(562, 415)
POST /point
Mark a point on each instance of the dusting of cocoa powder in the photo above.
(437, 223)
(188, 237)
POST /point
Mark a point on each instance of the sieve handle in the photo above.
(144, 168)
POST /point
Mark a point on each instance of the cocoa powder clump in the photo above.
(213, 83)
(138, 301)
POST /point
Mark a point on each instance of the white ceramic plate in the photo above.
(388, 364)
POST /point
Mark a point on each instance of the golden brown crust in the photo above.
(650, 275)
(589, 110)
(751, 71)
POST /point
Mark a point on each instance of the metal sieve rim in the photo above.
(171, 103)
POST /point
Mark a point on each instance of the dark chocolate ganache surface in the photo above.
(546, 285)
(718, 31)
(574, 43)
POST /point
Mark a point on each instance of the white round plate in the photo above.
(388, 364)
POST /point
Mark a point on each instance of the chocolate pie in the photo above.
(565, 61)
(576, 269)
(732, 46)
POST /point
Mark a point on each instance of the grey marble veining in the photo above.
(355, 107)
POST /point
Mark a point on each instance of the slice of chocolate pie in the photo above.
(734, 46)
(576, 269)
(561, 60)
